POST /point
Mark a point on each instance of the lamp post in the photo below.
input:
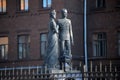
(85, 35)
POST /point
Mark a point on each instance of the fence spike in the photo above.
(96, 72)
(41, 73)
(91, 66)
(17, 74)
(5, 70)
(37, 69)
(21, 72)
(110, 65)
(33, 72)
(9, 74)
(100, 66)
(13, 73)
(111, 70)
(106, 72)
(80, 64)
(105, 68)
(116, 75)
(37, 72)
(25, 73)
(85, 72)
(29, 72)
(45, 69)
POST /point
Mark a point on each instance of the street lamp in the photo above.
(85, 35)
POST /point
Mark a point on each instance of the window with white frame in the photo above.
(99, 45)
(119, 43)
(3, 48)
(43, 43)
(2, 5)
(100, 3)
(47, 3)
(23, 46)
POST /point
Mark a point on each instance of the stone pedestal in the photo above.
(69, 75)
(65, 63)
(55, 71)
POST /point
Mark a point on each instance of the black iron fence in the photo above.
(96, 72)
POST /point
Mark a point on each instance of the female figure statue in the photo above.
(51, 60)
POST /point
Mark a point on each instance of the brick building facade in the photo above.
(23, 29)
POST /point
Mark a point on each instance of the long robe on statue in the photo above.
(52, 49)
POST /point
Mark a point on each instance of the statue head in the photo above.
(53, 14)
(64, 13)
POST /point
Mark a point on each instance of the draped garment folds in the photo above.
(52, 49)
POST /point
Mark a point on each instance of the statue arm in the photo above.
(57, 26)
(55, 29)
(71, 34)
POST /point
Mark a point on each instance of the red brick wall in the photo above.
(35, 21)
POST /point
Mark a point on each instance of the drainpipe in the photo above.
(85, 35)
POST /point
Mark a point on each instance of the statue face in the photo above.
(64, 13)
(54, 15)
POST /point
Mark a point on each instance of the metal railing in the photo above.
(37, 73)
(95, 72)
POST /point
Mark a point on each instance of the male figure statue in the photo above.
(66, 39)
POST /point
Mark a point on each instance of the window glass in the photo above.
(43, 43)
(23, 46)
(99, 44)
(44, 3)
(47, 3)
(3, 47)
(100, 3)
(24, 5)
(2, 5)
